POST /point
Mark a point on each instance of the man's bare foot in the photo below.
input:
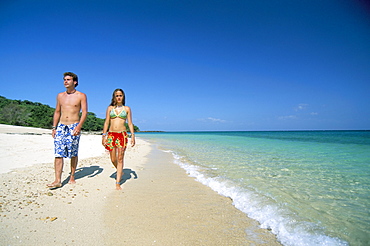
(54, 185)
(118, 186)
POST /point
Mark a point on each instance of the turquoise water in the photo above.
(307, 187)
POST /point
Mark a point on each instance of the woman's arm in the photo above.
(106, 125)
(130, 125)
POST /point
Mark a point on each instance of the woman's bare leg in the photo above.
(113, 157)
(120, 156)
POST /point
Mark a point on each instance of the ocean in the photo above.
(307, 187)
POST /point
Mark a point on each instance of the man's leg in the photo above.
(75, 140)
(58, 167)
(74, 161)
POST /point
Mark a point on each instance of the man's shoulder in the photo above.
(80, 93)
(61, 93)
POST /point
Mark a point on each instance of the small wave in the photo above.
(271, 216)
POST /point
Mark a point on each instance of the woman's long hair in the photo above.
(113, 102)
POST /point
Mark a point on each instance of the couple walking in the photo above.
(67, 124)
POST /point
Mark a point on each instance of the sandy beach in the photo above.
(25, 146)
(159, 204)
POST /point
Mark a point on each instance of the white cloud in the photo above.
(210, 119)
(216, 120)
(314, 113)
(301, 106)
(288, 117)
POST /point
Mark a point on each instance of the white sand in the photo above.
(26, 146)
(31, 214)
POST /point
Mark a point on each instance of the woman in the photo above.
(115, 140)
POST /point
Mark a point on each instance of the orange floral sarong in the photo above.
(116, 140)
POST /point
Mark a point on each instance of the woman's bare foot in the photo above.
(72, 180)
(118, 186)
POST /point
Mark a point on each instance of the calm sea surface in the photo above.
(308, 187)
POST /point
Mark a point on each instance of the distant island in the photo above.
(35, 114)
(151, 131)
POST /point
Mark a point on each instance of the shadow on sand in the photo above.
(127, 174)
(83, 172)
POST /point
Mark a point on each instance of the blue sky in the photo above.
(196, 65)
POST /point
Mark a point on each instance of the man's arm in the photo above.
(78, 128)
(56, 117)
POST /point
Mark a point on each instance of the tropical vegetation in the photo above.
(35, 114)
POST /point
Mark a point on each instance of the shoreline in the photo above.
(165, 206)
(159, 204)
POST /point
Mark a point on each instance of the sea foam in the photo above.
(257, 206)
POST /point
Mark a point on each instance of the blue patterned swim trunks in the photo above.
(65, 144)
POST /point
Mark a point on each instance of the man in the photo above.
(67, 126)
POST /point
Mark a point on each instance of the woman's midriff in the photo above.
(117, 125)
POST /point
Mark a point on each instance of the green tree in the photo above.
(4, 101)
(41, 116)
(14, 114)
(136, 129)
(92, 123)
